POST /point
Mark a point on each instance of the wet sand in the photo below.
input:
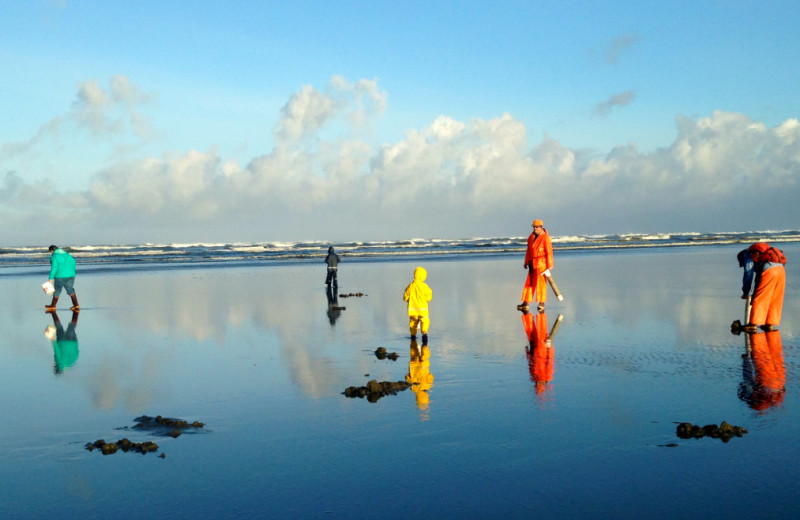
(582, 429)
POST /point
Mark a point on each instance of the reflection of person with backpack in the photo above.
(764, 264)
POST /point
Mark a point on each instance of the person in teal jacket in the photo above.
(62, 275)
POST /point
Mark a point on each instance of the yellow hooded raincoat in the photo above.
(418, 294)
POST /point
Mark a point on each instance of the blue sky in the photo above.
(257, 121)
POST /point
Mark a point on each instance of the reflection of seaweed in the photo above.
(352, 295)
(165, 426)
(381, 353)
(108, 448)
(724, 431)
(160, 426)
(375, 390)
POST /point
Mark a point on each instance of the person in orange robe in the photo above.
(765, 264)
(541, 356)
(538, 259)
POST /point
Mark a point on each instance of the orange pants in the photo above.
(767, 299)
(535, 290)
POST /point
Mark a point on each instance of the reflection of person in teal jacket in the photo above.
(65, 344)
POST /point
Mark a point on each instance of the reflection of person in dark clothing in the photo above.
(333, 266)
(65, 343)
(763, 370)
(540, 352)
(333, 306)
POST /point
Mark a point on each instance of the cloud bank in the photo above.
(479, 177)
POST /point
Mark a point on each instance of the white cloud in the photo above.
(309, 110)
(616, 100)
(104, 112)
(453, 178)
(619, 46)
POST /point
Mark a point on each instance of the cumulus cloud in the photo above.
(104, 112)
(619, 46)
(616, 100)
(449, 179)
(310, 109)
(109, 111)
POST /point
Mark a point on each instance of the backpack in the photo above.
(763, 252)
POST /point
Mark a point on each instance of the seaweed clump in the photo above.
(724, 431)
(375, 390)
(160, 426)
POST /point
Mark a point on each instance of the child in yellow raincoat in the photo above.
(418, 294)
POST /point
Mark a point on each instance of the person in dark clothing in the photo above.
(333, 265)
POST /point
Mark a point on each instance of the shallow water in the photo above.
(251, 351)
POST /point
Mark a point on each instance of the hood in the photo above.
(757, 248)
(420, 274)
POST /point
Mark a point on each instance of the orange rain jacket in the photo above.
(539, 255)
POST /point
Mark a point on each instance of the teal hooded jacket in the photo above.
(62, 265)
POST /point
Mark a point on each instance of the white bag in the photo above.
(48, 288)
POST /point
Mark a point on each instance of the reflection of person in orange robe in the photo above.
(419, 372)
(538, 259)
(541, 356)
(764, 372)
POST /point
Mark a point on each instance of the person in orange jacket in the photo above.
(538, 260)
(418, 294)
(764, 264)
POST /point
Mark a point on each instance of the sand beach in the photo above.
(585, 429)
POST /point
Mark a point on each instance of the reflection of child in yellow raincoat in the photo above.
(419, 373)
(418, 294)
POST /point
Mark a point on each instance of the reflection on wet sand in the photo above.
(65, 342)
(763, 371)
(334, 311)
(419, 373)
(540, 351)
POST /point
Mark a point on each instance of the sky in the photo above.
(176, 122)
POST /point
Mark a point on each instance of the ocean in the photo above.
(15, 260)
(570, 413)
